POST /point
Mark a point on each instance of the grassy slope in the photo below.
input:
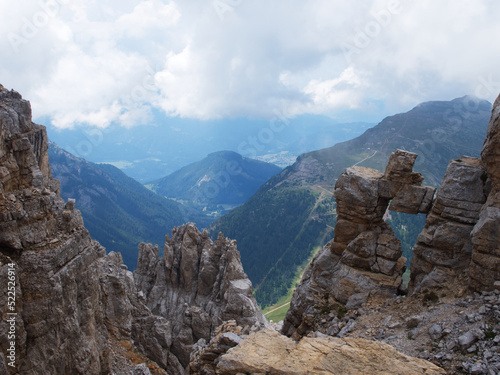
(278, 311)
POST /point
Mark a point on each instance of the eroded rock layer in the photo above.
(75, 310)
(443, 251)
(485, 264)
(364, 259)
(197, 285)
(268, 352)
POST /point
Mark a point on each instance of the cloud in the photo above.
(102, 62)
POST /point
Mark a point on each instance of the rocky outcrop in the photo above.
(71, 308)
(205, 355)
(78, 310)
(197, 285)
(364, 259)
(268, 352)
(485, 264)
(442, 254)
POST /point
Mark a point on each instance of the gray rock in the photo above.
(476, 369)
(197, 285)
(230, 339)
(467, 340)
(435, 332)
(451, 345)
(485, 266)
(364, 257)
(442, 253)
(141, 369)
(413, 321)
(77, 309)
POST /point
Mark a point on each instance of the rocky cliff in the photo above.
(364, 259)
(442, 254)
(197, 285)
(485, 265)
(456, 256)
(75, 309)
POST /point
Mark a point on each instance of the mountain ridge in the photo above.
(223, 178)
(438, 131)
(118, 211)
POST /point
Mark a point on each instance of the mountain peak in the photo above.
(221, 178)
(225, 154)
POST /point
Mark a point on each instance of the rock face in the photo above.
(443, 251)
(364, 259)
(268, 352)
(485, 265)
(77, 310)
(458, 247)
(196, 285)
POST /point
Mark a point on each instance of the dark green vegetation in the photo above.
(293, 212)
(220, 182)
(406, 227)
(118, 211)
(281, 225)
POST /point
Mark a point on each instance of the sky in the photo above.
(117, 62)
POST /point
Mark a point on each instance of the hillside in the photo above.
(118, 211)
(294, 211)
(219, 182)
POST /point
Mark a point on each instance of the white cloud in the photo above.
(99, 62)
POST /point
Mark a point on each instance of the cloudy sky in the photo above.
(118, 61)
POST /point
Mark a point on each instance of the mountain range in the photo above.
(278, 228)
(120, 212)
(221, 181)
(117, 210)
(149, 152)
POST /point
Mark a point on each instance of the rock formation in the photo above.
(461, 235)
(442, 254)
(197, 285)
(364, 259)
(458, 247)
(485, 265)
(268, 352)
(77, 310)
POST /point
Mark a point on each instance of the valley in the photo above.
(279, 216)
(436, 131)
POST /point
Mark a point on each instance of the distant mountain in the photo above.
(151, 151)
(221, 181)
(118, 211)
(294, 212)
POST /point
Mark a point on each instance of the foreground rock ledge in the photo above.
(271, 353)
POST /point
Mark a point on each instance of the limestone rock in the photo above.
(77, 309)
(364, 259)
(444, 248)
(485, 265)
(196, 285)
(271, 353)
(400, 168)
(204, 356)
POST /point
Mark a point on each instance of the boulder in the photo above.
(268, 352)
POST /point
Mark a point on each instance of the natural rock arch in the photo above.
(364, 259)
